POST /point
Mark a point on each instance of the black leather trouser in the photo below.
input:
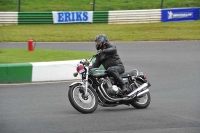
(114, 72)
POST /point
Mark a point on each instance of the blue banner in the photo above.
(180, 14)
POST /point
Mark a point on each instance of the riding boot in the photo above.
(124, 89)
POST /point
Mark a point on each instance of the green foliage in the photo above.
(86, 5)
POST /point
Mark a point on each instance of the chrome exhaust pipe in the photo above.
(104, 96)
(143, 93)
(138, 89)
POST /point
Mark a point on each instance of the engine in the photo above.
(109, 87)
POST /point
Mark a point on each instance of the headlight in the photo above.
(80, 68)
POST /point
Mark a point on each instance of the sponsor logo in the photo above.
(172, 15)
(72, 16)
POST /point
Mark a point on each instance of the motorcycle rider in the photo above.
(109, 58)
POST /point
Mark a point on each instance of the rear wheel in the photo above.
(142, 101)
(82, 103)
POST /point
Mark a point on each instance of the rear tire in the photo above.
(141, 102)
(79, 102)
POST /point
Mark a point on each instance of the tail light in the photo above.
(144, 76)
(80, 68)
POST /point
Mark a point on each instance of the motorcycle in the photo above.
(98, 88)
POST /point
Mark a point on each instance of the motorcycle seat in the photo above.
(129, 73)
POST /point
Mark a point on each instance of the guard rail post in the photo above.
(19, 3)
(161, 6)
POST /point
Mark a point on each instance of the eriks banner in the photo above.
(73, 17)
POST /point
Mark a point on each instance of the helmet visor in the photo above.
(98, 42)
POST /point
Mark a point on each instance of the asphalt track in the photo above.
(173, 68)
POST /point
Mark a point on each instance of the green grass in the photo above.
(87, 32)
(84, 5)
(40, 55)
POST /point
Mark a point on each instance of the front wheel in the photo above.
(82, 103)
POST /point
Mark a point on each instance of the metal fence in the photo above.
(109, 17)
(134, 16)
(35, 18)
(8, 18)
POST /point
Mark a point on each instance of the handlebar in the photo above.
(94, 56)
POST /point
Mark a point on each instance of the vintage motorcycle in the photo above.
(96, 87)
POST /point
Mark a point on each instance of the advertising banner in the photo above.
(180, 14)
(72, 17)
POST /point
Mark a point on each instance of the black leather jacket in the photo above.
(108, 58)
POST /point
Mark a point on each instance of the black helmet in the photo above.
(100, 41)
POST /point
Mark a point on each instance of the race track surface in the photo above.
(173, 69)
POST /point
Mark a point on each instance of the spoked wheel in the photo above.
(81, 102)
(142, 101)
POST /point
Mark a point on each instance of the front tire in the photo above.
(80, 102)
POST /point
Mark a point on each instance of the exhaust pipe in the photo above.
(143, 93)
(138, 89)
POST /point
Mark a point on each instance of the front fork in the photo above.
(86, 81)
